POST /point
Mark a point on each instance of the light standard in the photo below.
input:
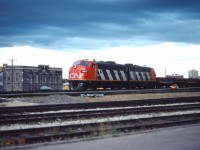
(12, 72)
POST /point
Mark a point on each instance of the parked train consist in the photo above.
(85, 74)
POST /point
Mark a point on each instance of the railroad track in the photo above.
(107, 92)
(82, 114)
(26, 125)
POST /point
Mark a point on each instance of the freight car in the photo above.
(177, 82)
(85, 74)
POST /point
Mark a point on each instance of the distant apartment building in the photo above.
(30, 78)
(193, 74)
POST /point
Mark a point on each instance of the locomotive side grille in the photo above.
(140, 76)
(118, 75)
(104, 74)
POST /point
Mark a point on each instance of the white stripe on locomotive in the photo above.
(120, 75)
(144, 78)
(123, 75)
(148, 76)
(138, 76)
(132, 75)
(116, 74)
(109, 75)
(100, 71)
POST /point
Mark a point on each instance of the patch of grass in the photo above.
(107, 128)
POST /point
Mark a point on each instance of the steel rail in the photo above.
(117, 103)
(32, 118)
(34, 135)
(78, 130)
(107, 92)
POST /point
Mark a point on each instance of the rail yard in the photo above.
(58, 116)
(45, 123)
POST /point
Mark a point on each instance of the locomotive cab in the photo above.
(81, 72)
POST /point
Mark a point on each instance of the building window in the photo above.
(9, 79)
(60, 78)
(17, 77)
(56, 78)
(50, 78)
(30, 78)
(43, 78)
(36, 78)
(1, 77)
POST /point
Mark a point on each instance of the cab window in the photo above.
(93, 66)
(77, 63)
(85, 63)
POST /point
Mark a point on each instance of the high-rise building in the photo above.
(193, 74)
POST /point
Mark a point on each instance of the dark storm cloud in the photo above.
(94, 23)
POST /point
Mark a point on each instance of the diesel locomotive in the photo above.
(86, 74)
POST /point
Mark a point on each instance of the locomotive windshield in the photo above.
(84, 63)
(77, 63)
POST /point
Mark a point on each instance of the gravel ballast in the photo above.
(66, 99)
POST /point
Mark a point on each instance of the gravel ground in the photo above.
(64, 99)
(51, 99)
(40, 100)
(139, 96)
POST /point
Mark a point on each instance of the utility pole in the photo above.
(165, 72)
(12, 72)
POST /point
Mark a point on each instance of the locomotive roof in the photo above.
(112, 63)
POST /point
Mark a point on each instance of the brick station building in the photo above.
(30, 78)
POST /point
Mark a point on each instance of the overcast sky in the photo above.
(163, 34)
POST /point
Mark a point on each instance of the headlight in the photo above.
(84, 71)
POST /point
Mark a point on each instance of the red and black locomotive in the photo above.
(85, 74)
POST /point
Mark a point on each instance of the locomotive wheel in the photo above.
(77, 86)
(73, 87)
(81, 86)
